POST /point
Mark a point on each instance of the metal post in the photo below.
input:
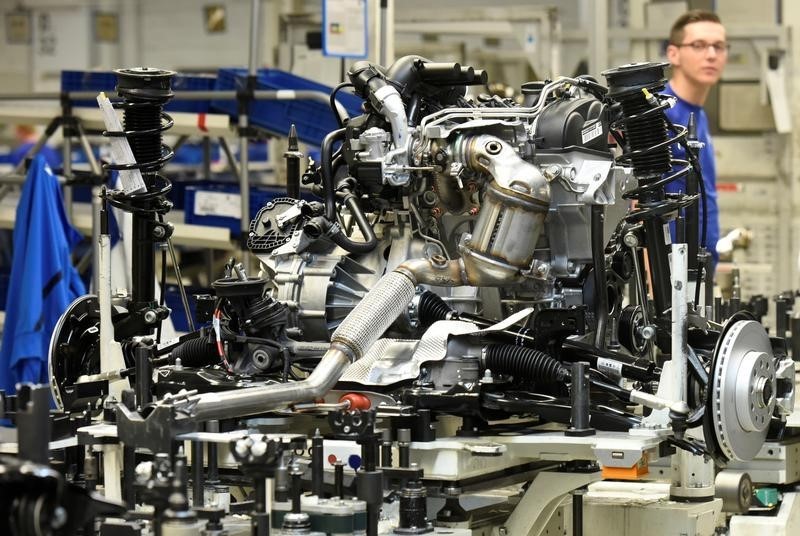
(244, 124)
(780, 317)
(383, 57)
(338, 479)
(404, 446)
(386, 447)
(255, 30)
(206, 158)
(244, 187)
(261, 517)
(144, 376)
(598, 37)
(795, 338)
(680, 313)
(128, 474)
(577, 512)
(229, 156)
(579, 400)
(67, 157)
(197, 474)
(97, 206)
(317, 470)
(213, 464)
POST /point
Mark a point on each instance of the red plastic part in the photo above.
(357, 401)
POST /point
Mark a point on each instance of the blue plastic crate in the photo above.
(107, 81)
(194, 82)
(203, 213)
(314, 120)
(88, 81)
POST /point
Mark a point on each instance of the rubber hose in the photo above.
(524, 363)
(344, 241)
(326, 155)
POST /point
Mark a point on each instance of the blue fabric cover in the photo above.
(679, 114)
(43, 281)
(52, 156)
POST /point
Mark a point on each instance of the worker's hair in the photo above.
(695, 15)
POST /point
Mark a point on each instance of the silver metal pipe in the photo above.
(255, 31)
(73, 95)
(359, 330)
(259, 399)
(244, 187)
(383, 57)
(97, 205)
(229, 156)
(67, 157)
(680, 322)
(87, 148)
(222, 94)
(181, 288)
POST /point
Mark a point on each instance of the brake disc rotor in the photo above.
(743, 387)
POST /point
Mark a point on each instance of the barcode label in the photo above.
(588, 134)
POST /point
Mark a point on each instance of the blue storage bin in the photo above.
(107, 81)
(194, 82)
(204, 213)
(88, 81)
(314, 120)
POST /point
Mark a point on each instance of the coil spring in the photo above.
(524, 363)
(144, 122)
(648, 152)
(646, 147)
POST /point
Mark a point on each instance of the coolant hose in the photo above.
(524, 363)
(357, 332)
(326, 155)
(342, 240)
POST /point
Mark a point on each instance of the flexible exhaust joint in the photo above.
(357, 332)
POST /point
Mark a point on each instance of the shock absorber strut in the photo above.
(647, 151)
(144, 92)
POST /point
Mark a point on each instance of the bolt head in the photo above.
(631, 240)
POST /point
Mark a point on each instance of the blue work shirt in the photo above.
(43, 280)
(679, 115)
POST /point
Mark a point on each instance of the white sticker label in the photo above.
(121, 152)
(592, 132)
(609, 366)
(667, 235)
(218, 204)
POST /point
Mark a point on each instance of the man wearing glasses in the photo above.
(698, 51)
